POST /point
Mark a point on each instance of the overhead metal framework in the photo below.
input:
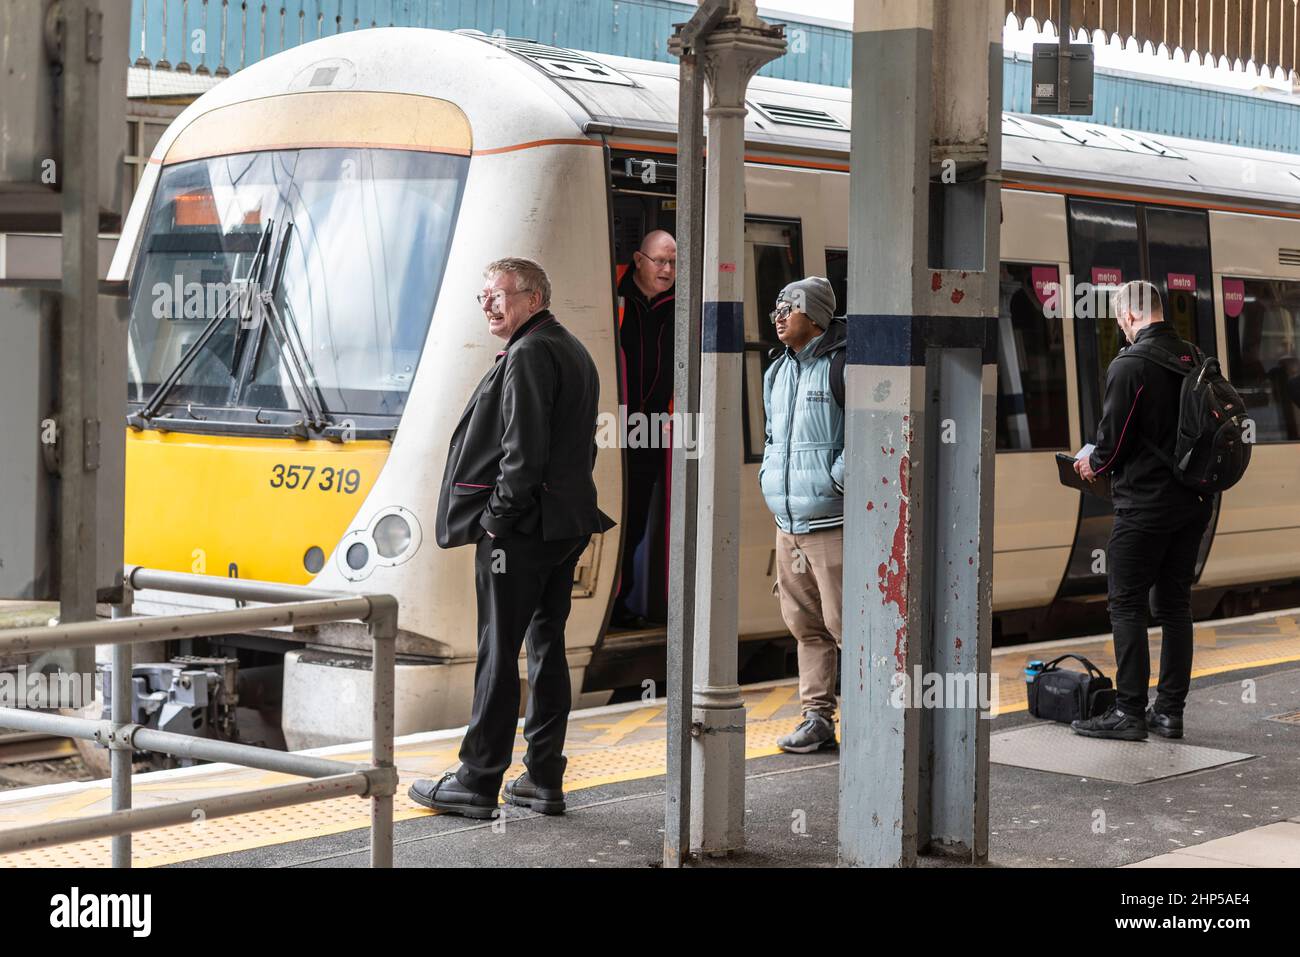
(1259, 32)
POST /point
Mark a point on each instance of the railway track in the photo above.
(21, 747)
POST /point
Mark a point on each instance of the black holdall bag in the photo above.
(1061, 694)
(1211, 453)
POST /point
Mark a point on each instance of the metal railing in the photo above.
(288, 605)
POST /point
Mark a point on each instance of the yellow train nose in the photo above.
(272, 508)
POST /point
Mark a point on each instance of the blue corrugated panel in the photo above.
(634, 28)
(640, 28)
(1175, 109)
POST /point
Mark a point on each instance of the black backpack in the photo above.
(837, 375)
(1210, 454)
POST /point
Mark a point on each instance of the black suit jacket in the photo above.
(523, 453)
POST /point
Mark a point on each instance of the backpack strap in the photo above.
(1163, 358)
(837, 375)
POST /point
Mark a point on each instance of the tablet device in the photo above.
(1071, 479)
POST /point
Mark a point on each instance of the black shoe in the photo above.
(1165, 725)
(1114, 724)
(627, 620)
(522, 792)
(449, 795)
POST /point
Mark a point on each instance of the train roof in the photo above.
(574, 91)
(639, 98)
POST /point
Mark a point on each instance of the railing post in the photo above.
(143, 59)
(382, 626)
(301, 606)
(120, 757)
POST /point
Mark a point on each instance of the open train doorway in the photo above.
(644, 209)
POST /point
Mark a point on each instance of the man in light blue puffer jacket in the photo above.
(802, 478)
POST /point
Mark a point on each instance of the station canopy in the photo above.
(1259, 32)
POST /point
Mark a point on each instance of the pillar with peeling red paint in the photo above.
(918, 510)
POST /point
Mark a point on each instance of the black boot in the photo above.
(1114, 724)
(1165, 725)
(448, 795)
(522, 792)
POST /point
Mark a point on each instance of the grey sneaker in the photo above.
(814, 733)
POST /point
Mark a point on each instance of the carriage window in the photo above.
(1104, 253)
(1262, 321)
(773, 260)
(837, 272)
(1032, 407)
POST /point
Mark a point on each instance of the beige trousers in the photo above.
(810, 581)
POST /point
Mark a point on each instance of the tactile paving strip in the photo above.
(602, 749)
(1054, 747)
(622, 745)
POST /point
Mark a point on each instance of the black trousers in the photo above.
(524, 589)
(645, 472)
(1151, 561)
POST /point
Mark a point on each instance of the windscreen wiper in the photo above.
(291, 348)
(255, 270)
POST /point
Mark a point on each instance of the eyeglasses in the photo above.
(660, 263)
(498, 297)
(781, 311)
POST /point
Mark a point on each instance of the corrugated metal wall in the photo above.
(1175, 109)
(635, 28)
(210, 34)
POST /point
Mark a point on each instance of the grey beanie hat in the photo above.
(814, 297)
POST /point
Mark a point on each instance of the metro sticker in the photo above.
(1234, 297)
(1047, 283)
(1105, 276)
(1182, 282)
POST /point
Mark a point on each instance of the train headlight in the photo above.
(358, 555)
(314, 559)
(392, 536)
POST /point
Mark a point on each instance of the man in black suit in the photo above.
(518, 485)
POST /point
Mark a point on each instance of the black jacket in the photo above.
(1142, 402)
(646, 336)
(523, 452)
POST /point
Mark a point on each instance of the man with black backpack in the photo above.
(802, 478)
(1170, 437)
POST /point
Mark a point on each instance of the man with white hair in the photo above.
(1159, 523)
(518, 486)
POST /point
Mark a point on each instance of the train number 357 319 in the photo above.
(343, 481)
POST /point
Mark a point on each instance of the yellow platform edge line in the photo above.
(324, 830)
(1196, 673)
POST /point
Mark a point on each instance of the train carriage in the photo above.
(342, 197)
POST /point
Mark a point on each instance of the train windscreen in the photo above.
(279, 279)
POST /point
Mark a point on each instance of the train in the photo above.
(359, 183)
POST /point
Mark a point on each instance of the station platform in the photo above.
(1224, 795)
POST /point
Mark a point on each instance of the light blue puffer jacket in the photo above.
(802, 475)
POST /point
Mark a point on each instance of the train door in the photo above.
(1258, 277)
(1112, 243)
(1035, 516)
(643, 199)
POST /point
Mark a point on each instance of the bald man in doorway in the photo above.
(646, 336)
